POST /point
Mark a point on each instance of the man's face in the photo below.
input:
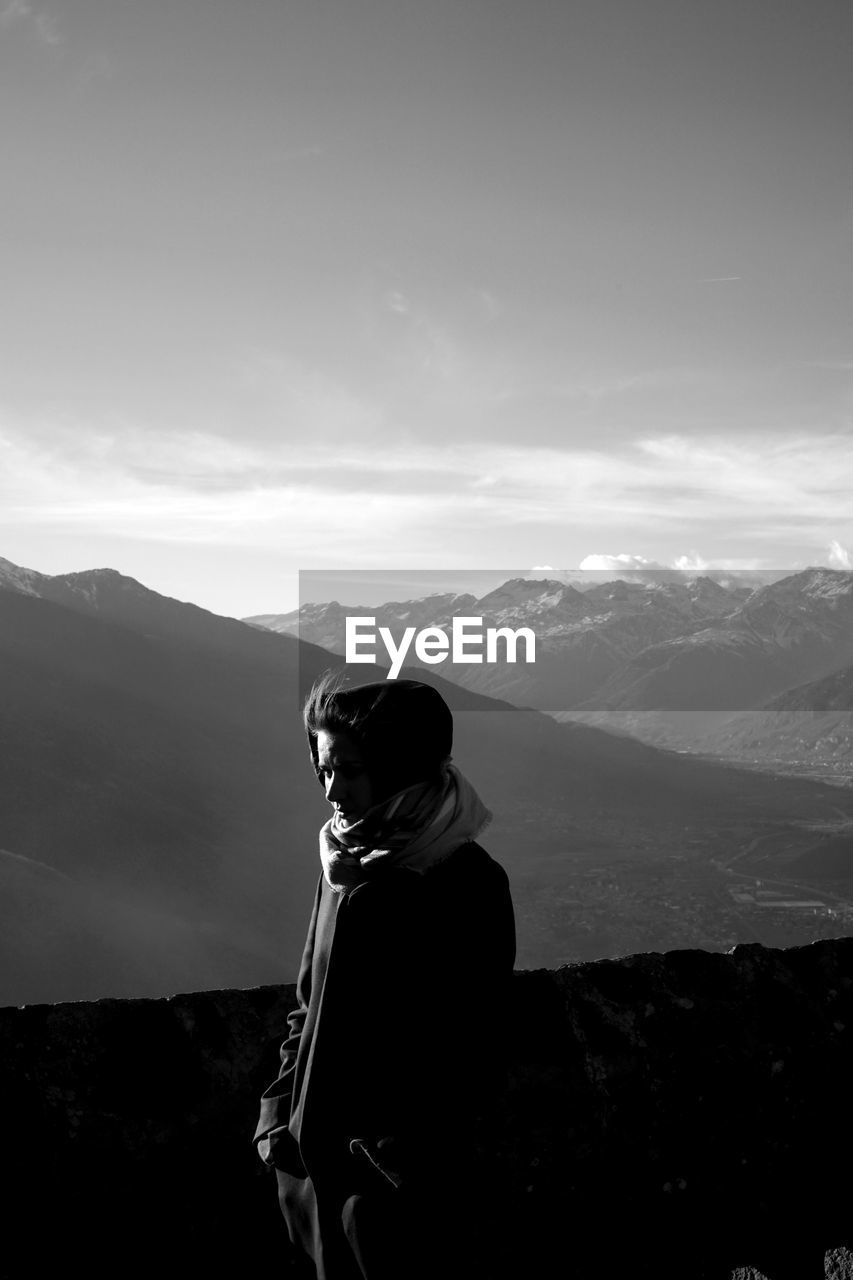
(342, 768)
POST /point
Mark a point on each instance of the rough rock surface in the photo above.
(678, 1115)
(838, 1264)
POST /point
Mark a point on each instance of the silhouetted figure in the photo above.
(378, 1121)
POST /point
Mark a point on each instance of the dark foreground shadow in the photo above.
(673, 1116)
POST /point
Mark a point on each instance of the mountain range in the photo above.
(686, 645)
(583, 637)
(158, 815)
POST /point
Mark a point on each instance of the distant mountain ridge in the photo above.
(115, 597)
(583, 637)
(557, 608)
(628, 646)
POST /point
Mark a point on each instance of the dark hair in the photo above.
(404, 727)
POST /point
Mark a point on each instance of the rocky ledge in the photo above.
(685, 1115)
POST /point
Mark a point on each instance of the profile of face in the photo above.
(342, 768)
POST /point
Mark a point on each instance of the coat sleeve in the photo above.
(275, 1101)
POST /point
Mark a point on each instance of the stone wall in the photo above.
(679, 1115)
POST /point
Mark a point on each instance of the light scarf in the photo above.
(416, 828)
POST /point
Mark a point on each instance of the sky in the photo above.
(423, 284)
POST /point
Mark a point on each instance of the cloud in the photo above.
(14, 11)
(47, 27)
(198, 488)
(44, 26)
(839, 557)
(692, 562)
(795, 480)
(744, 568)
(622, 561)
(423, 340)
(398, 303)
(377, 496)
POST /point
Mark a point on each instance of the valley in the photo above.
(629, 887)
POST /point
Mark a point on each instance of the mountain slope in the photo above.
(810, 725)
(61, 937)
(831, 693)
(795, 630)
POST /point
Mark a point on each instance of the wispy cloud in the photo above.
(621, 561)
(415, 501)
(48, 29)
(426, 339)
(838, 557)
(14, 11)
(801, 477)
(43, 25)
(398, 303)
(691, 563)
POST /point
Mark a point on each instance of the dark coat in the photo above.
(396, 1051)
